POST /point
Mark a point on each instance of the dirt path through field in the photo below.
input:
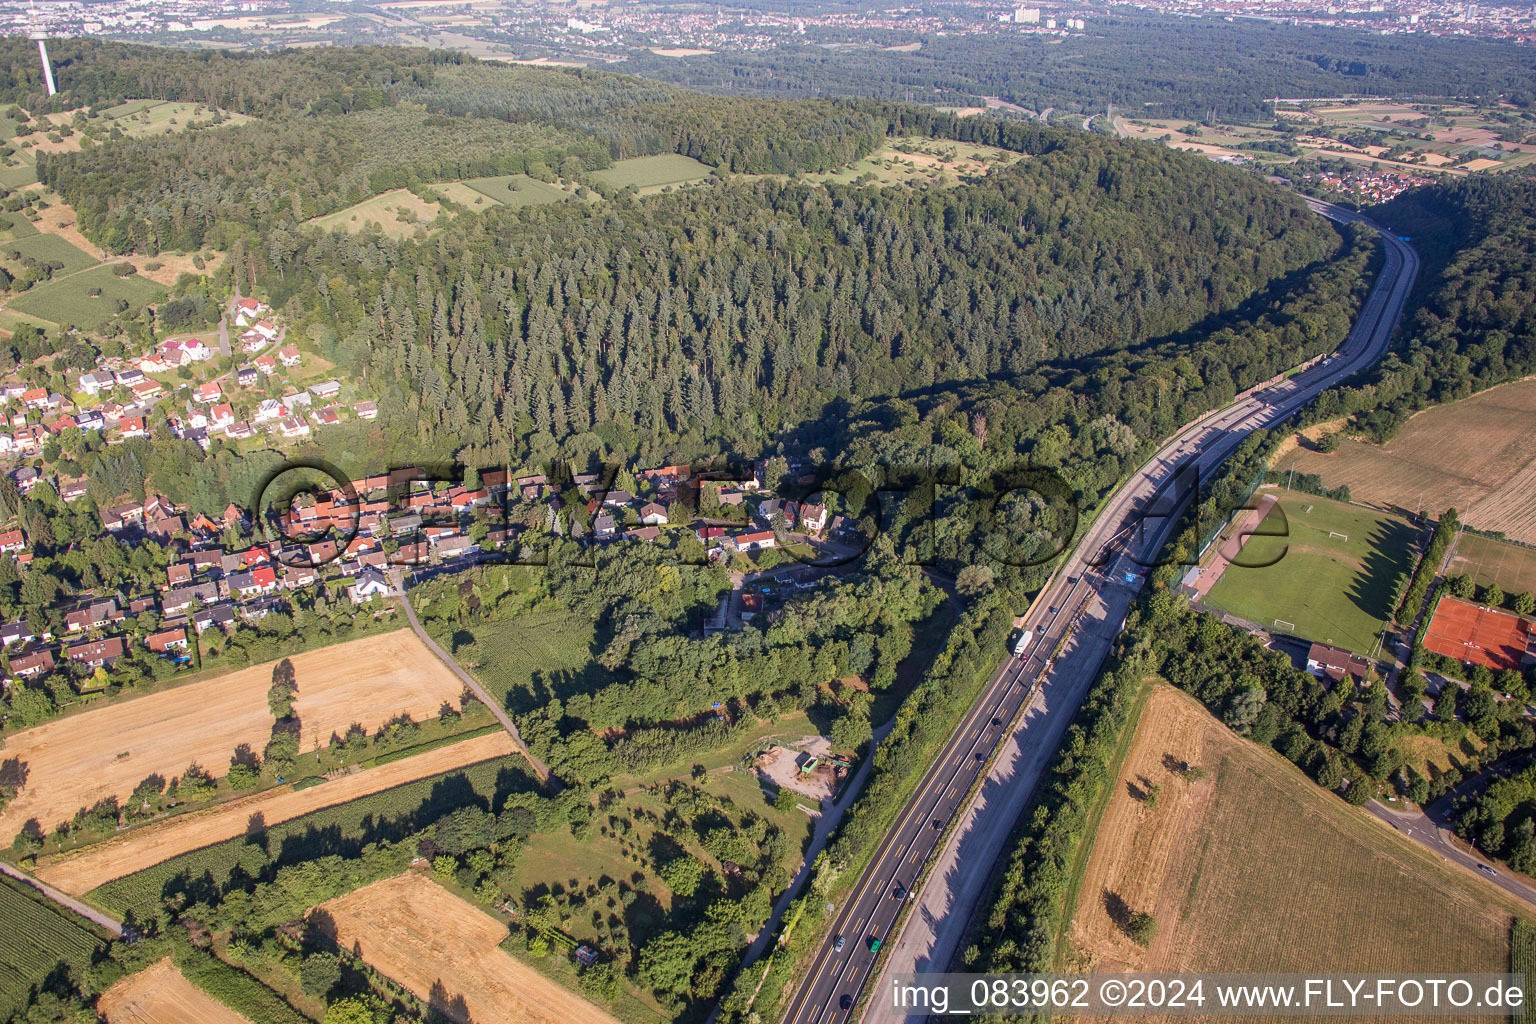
(79, 873)
(76, 761)
(445, 950)
(161, 995)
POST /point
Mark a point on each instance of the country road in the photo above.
(397, 581)
(1080, 611)
(111, 924)
(1419, 827)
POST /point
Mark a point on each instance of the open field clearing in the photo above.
(653, 172)
(59, 220)
(917, 160)
(516, 190)
(1478, 455)
(1332, 578)
(78, 760)
(69, 300)
(161, 995)
(1491, 562)
(157, 117)
(423, 936)
(1255, 868)
(36, 936)
(79, 873)
(397, 213)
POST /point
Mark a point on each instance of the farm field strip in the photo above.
(1257, 868)
(79, 873)
(416, 932)
(1477, 455)
(160, 994)
(34, 937)
(78, 760)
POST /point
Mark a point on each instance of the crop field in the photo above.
(49, 249)
(79, 872)
(75, 761)
(1492, 562)
(508, 653)
(35, 937)
(69, 300)
(397, 213)
(416, 932)
(653, 172)
(1255, 868)
(16, 225)
(160, 994)
(1477, 455)
(516, 190)
(342, 830)
(1335, 574)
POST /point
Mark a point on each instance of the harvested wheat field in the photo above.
(80, 872)
(445, 950)
(78, 760)
(1478, 455)
(1255, 868)
(160, 995)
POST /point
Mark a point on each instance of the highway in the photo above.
(1077, 615)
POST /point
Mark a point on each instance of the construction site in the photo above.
(806, 766)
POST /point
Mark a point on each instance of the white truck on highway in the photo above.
(1022, 642)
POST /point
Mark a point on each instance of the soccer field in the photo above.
(1334, 572)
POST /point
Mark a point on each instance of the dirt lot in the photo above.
(79, 873)
(1256, 868)
(781, 767)
(1478, 455)
(160, 995)
(426, 938)
(79, 760)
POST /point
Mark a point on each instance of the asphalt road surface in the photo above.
(1419, 827)
(1077, 617)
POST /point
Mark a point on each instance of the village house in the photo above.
(97, 654)
(16, 633)
(652, 514)
(95, 382)
(174, 638)
(370, 583)
(288, 355)
(30, 666)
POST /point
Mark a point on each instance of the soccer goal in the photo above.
(1342, 536)
(1282, 624)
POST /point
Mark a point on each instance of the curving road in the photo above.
(957, 823)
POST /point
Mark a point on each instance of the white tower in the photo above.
(41, 36)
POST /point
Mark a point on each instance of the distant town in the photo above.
(609, 32)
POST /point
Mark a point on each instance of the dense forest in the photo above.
(1174, 66)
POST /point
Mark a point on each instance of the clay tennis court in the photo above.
(160, 995)
(80, 872)
(423, 936)
(75, 761)
(1469, 632)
